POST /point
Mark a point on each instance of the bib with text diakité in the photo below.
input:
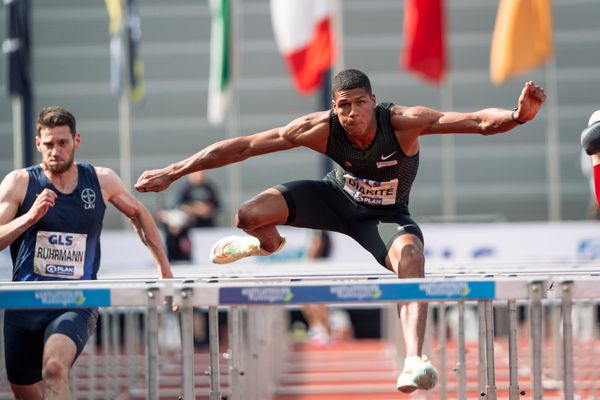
(59, 254)
(371, 192)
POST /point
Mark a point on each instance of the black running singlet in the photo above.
(379, 176)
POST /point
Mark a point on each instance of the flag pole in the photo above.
(338, 28)
(552, 142)
(448, 156)
(124, 115)
(18, 132)
(233, 170)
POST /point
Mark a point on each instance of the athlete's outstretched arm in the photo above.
(115, 192)
(489, 121)
(310, 131)
(12, 194)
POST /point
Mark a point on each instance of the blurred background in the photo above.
(533, 173)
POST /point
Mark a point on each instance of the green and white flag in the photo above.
(220, 68)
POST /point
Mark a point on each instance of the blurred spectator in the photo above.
(197, 206)
(324, 325)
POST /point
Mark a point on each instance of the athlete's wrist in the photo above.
(515, 118)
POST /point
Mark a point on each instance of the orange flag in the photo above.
(522, 37)
(424, 39)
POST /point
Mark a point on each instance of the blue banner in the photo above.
(358, 293)
(55, 298)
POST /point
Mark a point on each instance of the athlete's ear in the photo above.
(77, 140)
(373, 98)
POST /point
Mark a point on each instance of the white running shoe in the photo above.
(232, 248)
(418, 373)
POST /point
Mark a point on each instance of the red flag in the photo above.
(424, 39)
(304, 35)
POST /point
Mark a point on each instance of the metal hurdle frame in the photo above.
(247, 299)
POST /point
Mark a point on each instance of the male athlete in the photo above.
(376, 147)
(590, 140)
(51, 216)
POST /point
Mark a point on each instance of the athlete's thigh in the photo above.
(23, 346)
(316, 205)
(72, 327)
(378, 231)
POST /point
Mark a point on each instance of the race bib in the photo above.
(371, 192)
(59, 254)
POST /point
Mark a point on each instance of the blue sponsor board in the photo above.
(360, 293)
(54, 298)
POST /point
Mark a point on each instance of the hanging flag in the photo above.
(133, 34)
(522, 38)
(424, 39)
(17, 47)
(219, 91)
(117, 59)
(123, 14)
(303, 32)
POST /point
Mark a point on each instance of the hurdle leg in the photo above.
(513, 390)
(489, 351)
(535, 339)
(187, 345)
(152, 345)
(567, 305)
(442, 343)
(235, 338)
(481, 348)
(213, 344)
(461, 367)
(105, 317)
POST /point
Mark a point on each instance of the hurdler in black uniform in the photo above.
(366, 196)
(64, 244)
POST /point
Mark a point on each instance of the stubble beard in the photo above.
(60, 167)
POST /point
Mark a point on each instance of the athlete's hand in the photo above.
(530, 102)
(155, 180)
(42, 204)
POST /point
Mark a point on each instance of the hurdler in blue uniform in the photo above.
(51, 216)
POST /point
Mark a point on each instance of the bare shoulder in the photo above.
(413, 116)
(310, 130)
(105, 174)
(110, 183)
(307, 123)
(15, 181)
(14, 187)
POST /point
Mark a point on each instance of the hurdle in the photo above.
(257, 303)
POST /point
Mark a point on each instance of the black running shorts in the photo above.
(26, 332)
(323, 205)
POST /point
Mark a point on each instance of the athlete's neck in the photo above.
(364, 140)
(66, 181)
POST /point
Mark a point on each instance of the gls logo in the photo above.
(89, 199)
(66, 240)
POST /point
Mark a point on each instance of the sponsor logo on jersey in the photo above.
(88, 196)
(60, 269)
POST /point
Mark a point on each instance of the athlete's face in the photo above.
(57, 147)
(355, 109)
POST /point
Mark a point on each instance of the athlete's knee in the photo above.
(248, 216)
(412, 262)
(55, 371)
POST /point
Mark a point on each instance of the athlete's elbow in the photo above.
(487, 129)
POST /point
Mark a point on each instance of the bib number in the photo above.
(371, 192)
(59, 254)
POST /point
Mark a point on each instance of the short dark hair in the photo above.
(53, 116)
(350, 79)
